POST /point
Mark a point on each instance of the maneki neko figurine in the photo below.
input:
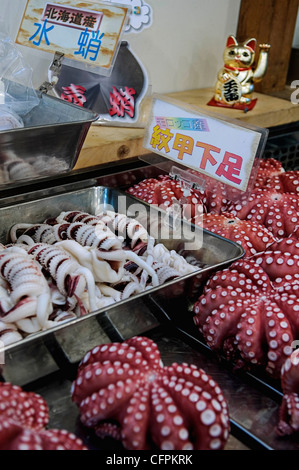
(235, 81)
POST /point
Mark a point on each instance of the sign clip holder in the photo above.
(188, 180)
(54, 72)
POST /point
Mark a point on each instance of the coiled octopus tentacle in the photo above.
(29, 290)
(120, 224)
(74, 216)
(32, 233)
(71, 278)
(124, 226)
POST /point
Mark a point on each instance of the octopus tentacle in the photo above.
(23, 420)
(71, 278)
(29, 291)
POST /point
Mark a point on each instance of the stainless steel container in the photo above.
(212, 253)
(48, 144)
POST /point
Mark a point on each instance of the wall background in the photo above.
(181, 50)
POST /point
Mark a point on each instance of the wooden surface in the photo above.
(268, 111)
(272, 22)
(106, 144)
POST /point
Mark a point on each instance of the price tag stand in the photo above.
(212, 153)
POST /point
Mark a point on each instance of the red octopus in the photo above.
(123, 391)
(250, 235)
(23, 420)
(289, 408)
(164, 192)
(249, 319)
(287, 182)
(278, 212)
(268, 168)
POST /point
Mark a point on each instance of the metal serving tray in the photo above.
(38, 354)
(48, 144)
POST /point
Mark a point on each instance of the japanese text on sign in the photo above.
(182, 123)
(217, 148)
(72, 17)
(86, 32)
(229, 167)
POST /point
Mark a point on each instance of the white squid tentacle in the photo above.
(16, 228)
(26, 309)
(149, 260)
(109, 291)
(80, 253)
(127, 255)
(91, 287)
(44, 309)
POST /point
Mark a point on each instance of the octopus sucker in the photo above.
(169, 431)
(124, 388)
(134, 433)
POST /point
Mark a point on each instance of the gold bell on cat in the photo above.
(236, 79)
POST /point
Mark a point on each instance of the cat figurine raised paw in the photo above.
(235, 81)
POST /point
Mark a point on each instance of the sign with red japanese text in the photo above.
(87, 33)
(116, 98)
(217, 148)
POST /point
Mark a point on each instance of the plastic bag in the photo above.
(17, 96)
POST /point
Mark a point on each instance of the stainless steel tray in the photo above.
(48, 144)
(36, 355)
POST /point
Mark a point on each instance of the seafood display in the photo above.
(233, 311)
(248, 313)
(24, 417)
(273, 203)
(15, 169)
(164, 192)
(123, 391)
(78, 262)
(75, 264)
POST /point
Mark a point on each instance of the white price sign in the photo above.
(217, 148)
(87, 32)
